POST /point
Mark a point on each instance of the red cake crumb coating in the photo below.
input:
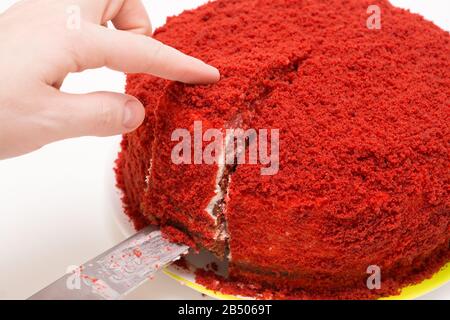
(364, 173)
(134, 160)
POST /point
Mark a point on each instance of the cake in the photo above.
(364, 147)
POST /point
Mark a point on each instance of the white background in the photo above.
(54, 203)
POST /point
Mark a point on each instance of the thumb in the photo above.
(97, 114)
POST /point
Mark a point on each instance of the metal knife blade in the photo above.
(117, 271)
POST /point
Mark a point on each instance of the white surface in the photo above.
(54, 209)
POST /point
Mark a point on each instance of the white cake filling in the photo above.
(219, 194)
(148, 176)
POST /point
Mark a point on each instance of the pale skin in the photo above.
(38, 50)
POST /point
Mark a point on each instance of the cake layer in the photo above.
(136, 154)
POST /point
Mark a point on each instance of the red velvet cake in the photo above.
(364, 155)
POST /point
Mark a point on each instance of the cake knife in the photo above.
(117, 271)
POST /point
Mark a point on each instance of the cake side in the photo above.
(135, 156)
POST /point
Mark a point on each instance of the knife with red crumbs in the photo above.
(118, 271)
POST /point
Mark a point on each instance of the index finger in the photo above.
(133, 53)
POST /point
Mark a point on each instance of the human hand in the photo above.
(38, 50)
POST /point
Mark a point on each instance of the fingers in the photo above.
(133, 17)
(127, 15)
(95, 114)
(132, 53)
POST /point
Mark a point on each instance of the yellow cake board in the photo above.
(411, 292)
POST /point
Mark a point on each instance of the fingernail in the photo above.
(132, 114)
(203, 73)
(215, 73)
